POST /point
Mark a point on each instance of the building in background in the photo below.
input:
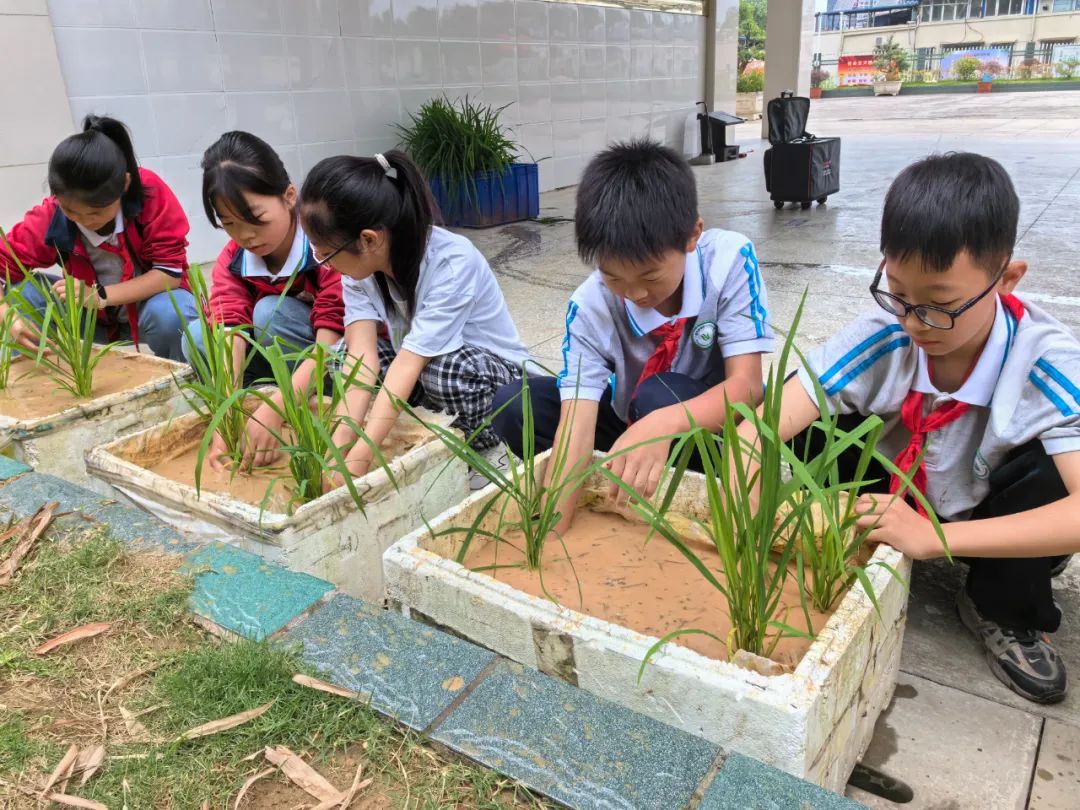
(1025, 37)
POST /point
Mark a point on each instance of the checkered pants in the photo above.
(461, 383)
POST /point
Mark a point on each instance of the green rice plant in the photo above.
(216, 379)
(308, 420)
(761, 522)
(453, 141)
(66, 351)
(8, 352)
(524, 504)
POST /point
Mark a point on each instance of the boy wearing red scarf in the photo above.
(672, 323)
(986, 386)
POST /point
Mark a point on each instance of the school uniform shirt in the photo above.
(240, 279)
(1024, 386)
(608, 338)
(458, 303)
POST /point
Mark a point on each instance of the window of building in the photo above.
(1066, 5)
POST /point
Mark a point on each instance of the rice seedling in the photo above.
(525, 505)
(762, 522)
(307, 420)
(8, 352)
(217, 377)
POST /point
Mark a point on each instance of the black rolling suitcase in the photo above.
(798, 167)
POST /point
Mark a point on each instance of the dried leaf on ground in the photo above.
(303, 775)
(124, 680)
(75, 801)
(71, 636)
(88, 763)
(350, 794)
(62, 770)
(32, 528)
(251, 780)
(323, 686)
(224, 724)
(136, 730)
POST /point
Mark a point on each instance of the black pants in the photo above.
(658, 391)
(1012, 591)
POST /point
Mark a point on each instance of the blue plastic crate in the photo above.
(508, 197)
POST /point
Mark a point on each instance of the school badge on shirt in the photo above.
(704, 335)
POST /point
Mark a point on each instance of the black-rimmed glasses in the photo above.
(320, 261)
(932, 316)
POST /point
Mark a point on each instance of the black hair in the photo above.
(345, 195)
(91, 165)
(238, 162)
(636, 201)
(945, 204)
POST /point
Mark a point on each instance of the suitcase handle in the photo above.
(787, 94)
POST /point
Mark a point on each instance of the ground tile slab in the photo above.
(746, 784)
(1056, 785)
(573, 746)
(246, 596)
(26, 495)
(408, 670)
(938, 647)
(954, 750)
(9, 468)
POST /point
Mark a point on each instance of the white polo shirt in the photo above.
(108, 266)
(608, 338)
(254, 266)
(458, 303)
(1024, 386)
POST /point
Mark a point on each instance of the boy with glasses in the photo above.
(986, 386)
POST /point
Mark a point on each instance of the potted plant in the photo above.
(750, 96)
(469, 159)
(281, 512)
(818, 77)
(891, 61)
(70, 393)
(786, 626)
(990, 70)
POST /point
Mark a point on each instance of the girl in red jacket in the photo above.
(118, 229)
(266, 278)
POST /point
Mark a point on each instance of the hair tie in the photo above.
(390, 171)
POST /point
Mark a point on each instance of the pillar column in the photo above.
(789, 45)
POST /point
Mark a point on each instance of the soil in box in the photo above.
(51, 429)
(178, 463)
(641, 583)
(330, 537)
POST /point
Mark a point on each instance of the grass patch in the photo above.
(49, 703)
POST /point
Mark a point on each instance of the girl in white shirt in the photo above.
(423, 310)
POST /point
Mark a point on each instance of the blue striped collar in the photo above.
(978, 388)
(642, 321)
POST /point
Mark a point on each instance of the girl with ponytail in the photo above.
(424, 315)
(118, 229)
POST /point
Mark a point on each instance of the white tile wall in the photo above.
(321, 77)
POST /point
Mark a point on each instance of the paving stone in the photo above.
(412, 672)
(1056, 785)
(142, 530)
(246, 596)
(573, 746)
(746, 784)
(29, 493)
(953, 749)
(9, 468)
(938, 647)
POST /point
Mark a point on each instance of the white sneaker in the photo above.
(498, 457)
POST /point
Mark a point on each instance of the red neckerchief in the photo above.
(911, 414)
(664, 353)
(126, 274)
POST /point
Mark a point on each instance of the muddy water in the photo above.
(252, 487)
(31, 394)
(648, 587)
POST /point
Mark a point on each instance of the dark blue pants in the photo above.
(658, 391)
(1012, 591)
